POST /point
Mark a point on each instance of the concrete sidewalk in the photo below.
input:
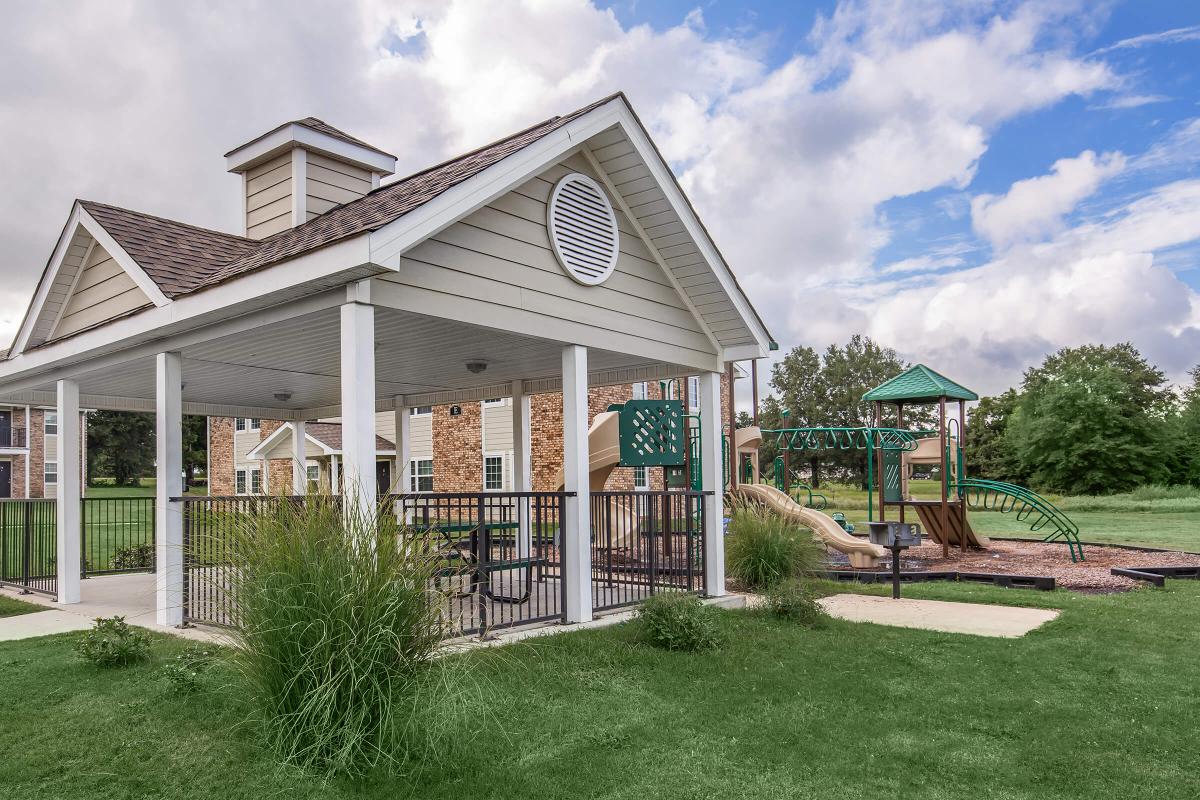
(40, 623)
(938, 615)
(130, 596)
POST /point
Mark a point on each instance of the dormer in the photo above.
(299, 171)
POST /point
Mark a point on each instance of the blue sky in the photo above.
(973, 183)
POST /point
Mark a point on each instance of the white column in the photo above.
(335, 478)
(403, 449)
(299, 461)
(712, 478)
(576, 530)
(358, 407)
(168, 516)
(68, 519)
(522, 464)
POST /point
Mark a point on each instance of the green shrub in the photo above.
(138, 556)
(765, 548)
(677, 621)
(336, 621)
(795, 601)
(112, 642)
(185, 673)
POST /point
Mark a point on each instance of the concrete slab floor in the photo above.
(130, 596)
(939, 615)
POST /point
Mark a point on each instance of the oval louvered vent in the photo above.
(583, 229)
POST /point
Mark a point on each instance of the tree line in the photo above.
(1094, 419)
(120, 447)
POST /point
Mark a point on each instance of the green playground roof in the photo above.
(919, 382)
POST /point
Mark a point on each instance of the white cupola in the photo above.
(299, 171)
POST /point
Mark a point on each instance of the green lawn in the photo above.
(11, 606)
(1141, 517)
(1099, 703)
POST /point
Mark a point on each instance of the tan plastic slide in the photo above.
(863, 554)
(604, 455)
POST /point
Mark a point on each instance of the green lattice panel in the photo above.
(891, 476)
(652, 433)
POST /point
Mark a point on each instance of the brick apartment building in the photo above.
(454, 448)
(29, 465)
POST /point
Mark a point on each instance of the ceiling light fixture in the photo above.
(477, 366)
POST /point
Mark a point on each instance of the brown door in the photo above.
(383, 476)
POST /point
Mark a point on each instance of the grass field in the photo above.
(1099, 703)
(11, 606)
(1150, 516)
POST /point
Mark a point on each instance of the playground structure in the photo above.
(892, 454)
(659, 434)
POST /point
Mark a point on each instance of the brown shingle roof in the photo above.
(179, 258)
(321, 126)
(182, 258)
(330, 435)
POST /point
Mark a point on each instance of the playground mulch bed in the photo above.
(1050, 559)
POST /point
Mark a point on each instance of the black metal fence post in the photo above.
(28, 547)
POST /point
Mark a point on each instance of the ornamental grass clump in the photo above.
(676, 621)
(765, 548)
(336, 622)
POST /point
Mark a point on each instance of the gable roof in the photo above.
(178, 257)
(181, 258)
(918, 382)
(318, 125)
(326, 435)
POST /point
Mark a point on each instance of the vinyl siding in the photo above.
(501, 256)
(104, 291)
(498, 437)
(269, 197)
(331, 183)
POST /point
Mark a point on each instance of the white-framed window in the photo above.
(420, 475)
(420, 411)
(641, 478)
(693, 394)
(493, 473)
(641, 391)
(312, 472)
(50, 473)
(248, 481)
(51, 427)
(247, 424)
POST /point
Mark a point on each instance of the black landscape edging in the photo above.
(1040, 582)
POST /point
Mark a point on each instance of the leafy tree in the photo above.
(195, 448)
(826, 391)
(120, 446)
(1091, 420)
(1185, 433)
(989, 450)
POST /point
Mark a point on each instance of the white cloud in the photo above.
(1125, 101)
(788, 165)
(1096, 282)
(1035, 207)
(1190, 33)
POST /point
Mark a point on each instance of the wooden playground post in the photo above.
(942, 515)
(879, 476)
(962, 499)
(754, 388)
(900, 426)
